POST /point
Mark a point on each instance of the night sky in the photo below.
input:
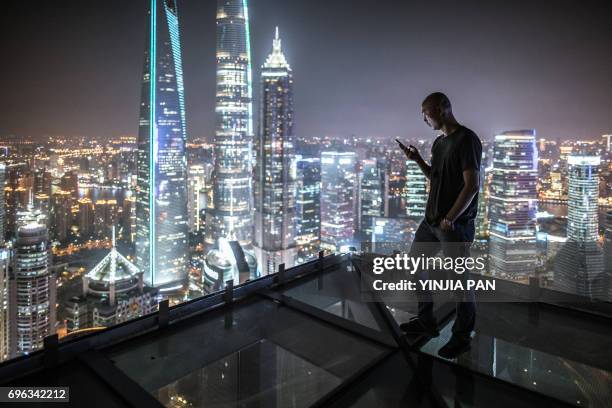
(361, 67)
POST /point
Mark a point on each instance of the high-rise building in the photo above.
(86, 218)
(196, 199)
(229, 215)
(32, 290)
(4, 303)
(2, 203)
(161, 193)
(61, 215)
(308, 207)
(43, 182)
(608, 253)
(371, 196)
(70, 183)
(583, 192)
(513, 205)
(579, 264)
(338, 199)
(607, 142)
(106, 216)
(415, 191)
(396, 184)
(274, 240)
(128, 218)
(482, 216)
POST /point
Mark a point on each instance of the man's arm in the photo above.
(471, 184)
(425, 168)
(413, 154)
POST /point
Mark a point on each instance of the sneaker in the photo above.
(418, 326)
(454, 348)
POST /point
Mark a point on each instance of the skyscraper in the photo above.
(482, 216)
(229, 214)
(275, 171)
(579, 264)
(308, 207)
(338, 199)
(513, 205)
(196, 195)
(161, 193)
(371, 196)
(4, 303)
(608, 253)
(415, 191)
(32, 290)
(2, 203)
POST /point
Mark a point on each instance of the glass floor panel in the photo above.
(274, 355)
(551, 375)
(336, 293)
(262, 374)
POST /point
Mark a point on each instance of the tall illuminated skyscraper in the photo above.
(579, 265)
(2, 204)
(308, 207)
(371, 196)
(4, 303)
(513, 205)
(230, 214)
(275, 172)
(415, 192)
(608, 253)
(338, 199)
(32, 290)
(161, 193)
(196, 199)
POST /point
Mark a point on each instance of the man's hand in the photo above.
(412, 153)
(446, 225)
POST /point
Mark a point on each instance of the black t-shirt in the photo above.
(450, 156)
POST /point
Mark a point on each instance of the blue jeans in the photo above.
(428, 241)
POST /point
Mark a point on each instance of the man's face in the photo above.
(432, 116)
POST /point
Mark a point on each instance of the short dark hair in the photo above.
(438, 99)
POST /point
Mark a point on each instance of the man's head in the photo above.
(436, 110)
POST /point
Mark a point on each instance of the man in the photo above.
(449, 216)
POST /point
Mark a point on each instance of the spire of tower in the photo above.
(276, 59)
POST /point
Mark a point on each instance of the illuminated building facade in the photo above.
(482, 216)
(579, 265)
(513, 205)
(308, 207)
(275, 218)
(338, 199)
(608, 253)
(61, 215)
(229, 215)
(2, 203)
(415, 191)
(371, 196)
(196, 197)
(583, 192)
(32, 290)
(113, 292)
(4, 304)
(161, 193)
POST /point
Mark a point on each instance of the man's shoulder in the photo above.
(468, 134)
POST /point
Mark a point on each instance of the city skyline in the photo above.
(503, 83)
(181, 220)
